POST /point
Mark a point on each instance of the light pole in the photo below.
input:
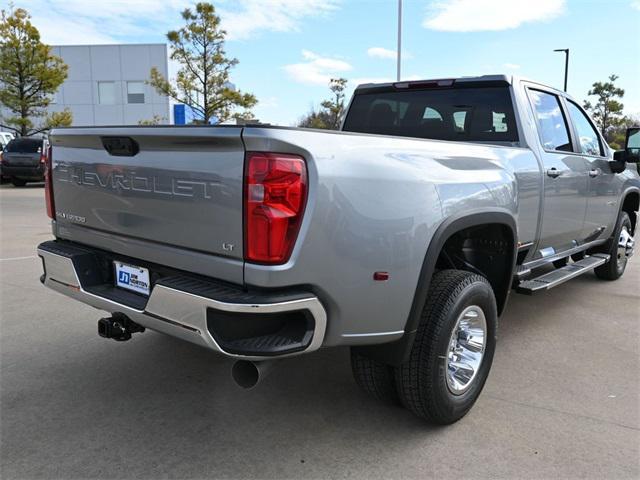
(399, 39)
(566, 64)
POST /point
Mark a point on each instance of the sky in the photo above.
(289, 49)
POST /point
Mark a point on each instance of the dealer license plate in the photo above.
(132, 278)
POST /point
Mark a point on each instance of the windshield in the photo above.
(24, 145)
(482, 114)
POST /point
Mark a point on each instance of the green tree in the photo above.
(335, 106)
(618, 132)
(29, 76)
(330, 115)
(155, 120)
(315, 119)
(607, 109)
(203, 79)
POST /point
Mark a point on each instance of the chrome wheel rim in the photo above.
(466, 349)
(625, 247)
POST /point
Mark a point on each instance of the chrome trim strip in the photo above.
(175, 312)
(376, 334)
(525, 245)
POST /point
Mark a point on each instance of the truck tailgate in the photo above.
(172, 186)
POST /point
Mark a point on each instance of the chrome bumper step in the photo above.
(561, 275)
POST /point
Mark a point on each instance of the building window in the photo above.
(135, 92)
(106, 93)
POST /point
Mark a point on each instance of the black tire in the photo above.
(561, 263)
(375, 378)
(18, 182)
(422, 380)
(615, 267)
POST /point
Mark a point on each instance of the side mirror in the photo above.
(632, 145)
(619, 162)
(630, 154)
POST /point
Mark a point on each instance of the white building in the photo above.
(106, 84)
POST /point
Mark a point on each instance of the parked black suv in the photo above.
(23, 160)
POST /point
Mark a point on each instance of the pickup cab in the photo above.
(400, 236)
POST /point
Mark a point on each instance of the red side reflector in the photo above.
(48, 184)
(275, 198)
(381, 276)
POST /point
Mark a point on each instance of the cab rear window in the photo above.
(482, 114)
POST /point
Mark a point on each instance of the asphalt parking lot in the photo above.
(562, 399)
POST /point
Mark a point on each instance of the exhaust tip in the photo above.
(248, 374)
(245, 374)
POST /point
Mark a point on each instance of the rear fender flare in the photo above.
(397, 352)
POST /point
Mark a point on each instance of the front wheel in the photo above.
(453, 349)
(620, 250)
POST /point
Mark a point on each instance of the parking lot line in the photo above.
(17, 258)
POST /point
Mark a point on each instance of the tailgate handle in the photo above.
(120, 146)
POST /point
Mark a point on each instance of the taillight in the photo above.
(48, 184)
(275, 197)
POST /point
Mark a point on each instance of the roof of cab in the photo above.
(482, 78)
(496, 79)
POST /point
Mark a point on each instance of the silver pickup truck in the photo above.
(400, 236)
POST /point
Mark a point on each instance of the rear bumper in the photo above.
(23, 172)
(220, 317)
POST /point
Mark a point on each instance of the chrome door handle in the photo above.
(595, 172)
(553, 172)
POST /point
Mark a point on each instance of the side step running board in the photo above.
(561, 275)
